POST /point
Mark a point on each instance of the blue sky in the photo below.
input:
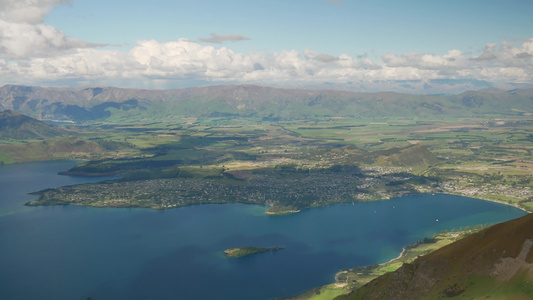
(357, 45)
(352, 27)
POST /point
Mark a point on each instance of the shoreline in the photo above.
(405, 248)
(495, 201)
(267, 212)
(280, 213)
(402, 254)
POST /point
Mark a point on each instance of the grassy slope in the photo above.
(465, 269)
(59, 148)
(14, 125)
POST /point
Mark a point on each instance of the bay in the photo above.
(71, 252)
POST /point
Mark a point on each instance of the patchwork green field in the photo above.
(480, 158)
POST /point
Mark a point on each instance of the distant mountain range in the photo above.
(496, 263)
(118, 104)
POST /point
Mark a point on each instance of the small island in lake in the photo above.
(243, 251)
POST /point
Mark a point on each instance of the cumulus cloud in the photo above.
(422, 61)
(27, 11)
(326, 58)
(23, 33)
(174, 61)
(219, 39)
(23, 40)
(488, 52)
(32, 52)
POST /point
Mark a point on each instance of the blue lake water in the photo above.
(70, 252)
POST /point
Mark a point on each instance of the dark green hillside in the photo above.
(14, 125)
(413, 156)
(59, 148)
(496, 263)
(513, 102)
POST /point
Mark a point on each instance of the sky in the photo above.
(416, 46)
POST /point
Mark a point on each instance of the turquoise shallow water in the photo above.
(70, 252)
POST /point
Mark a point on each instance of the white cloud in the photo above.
(24, 40)
(27, 11)
(32, 52)
(326, 58)
(24, 35)
(452, 59)
(182, 59)
(219, 39)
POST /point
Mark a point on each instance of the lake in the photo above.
(70, 252)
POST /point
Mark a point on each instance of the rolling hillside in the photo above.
(27, 139)
(14, 125)
(496, 263)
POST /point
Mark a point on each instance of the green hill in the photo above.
(58, 148)
(14, 125)
(412, 156)
(496, 263)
